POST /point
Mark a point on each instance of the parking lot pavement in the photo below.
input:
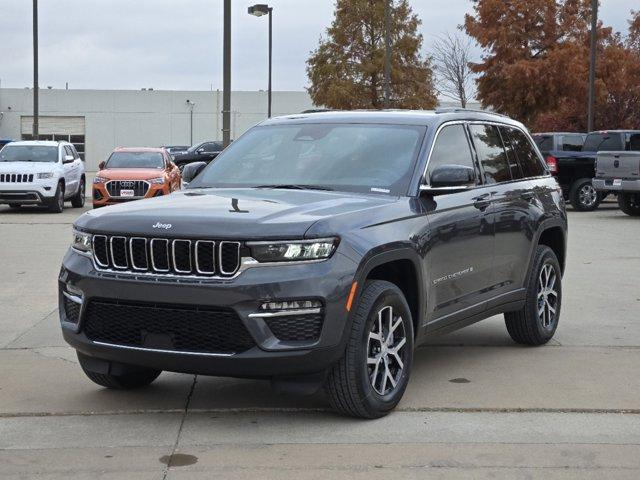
(478, 406)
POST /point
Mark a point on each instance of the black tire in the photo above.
(79, 198)
(629, 203)
(349, 385)
(57, 202)
(526, 326)
(583, 196)
(128, 381)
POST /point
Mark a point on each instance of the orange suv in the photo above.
(135, 173)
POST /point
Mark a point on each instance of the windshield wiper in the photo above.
(295, 186)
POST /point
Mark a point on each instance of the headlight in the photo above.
(45, 175)
(159, 180)
(81, 241)
(297, 250)
(99, 180)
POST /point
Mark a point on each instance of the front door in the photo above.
(460, 257)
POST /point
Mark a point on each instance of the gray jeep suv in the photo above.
(319, 250)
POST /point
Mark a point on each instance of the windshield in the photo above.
(603, 142)
(346, 157)
(544, 142)
(28, 153)
(135, 160)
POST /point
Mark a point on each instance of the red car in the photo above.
(135, 173)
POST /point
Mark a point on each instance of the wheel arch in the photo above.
(402, 267)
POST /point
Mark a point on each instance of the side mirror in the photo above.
(191, 171)
(101, 165)
(450, 178)
(68, 159)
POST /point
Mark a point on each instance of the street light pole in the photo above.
(592, 65)
(226, 75)
(259, 10)
(387, 53)
(191, 106)
(35, 131)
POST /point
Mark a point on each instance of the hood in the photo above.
(27, 167)
(241, 214)
(130, 173)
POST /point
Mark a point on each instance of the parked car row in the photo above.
(572, 158)
(48, 173)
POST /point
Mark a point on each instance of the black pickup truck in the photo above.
(576, 169)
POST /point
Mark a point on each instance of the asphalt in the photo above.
(478, 406)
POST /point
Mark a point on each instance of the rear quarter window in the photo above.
(525, 151)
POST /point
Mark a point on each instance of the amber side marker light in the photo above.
(352, 294)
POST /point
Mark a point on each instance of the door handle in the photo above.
(482, 201)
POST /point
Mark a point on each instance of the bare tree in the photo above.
(451, 57)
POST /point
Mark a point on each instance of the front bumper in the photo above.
(328, 281)
(38, 192)
(607, 185)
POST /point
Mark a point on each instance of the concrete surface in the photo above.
(569, 410)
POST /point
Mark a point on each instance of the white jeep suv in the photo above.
(41, 173)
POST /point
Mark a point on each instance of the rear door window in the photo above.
(528, 159)
(491, 153)
(572, 143)
(512, 158)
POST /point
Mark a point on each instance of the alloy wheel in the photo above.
(386, 352)
(587, 195)
(547, 296)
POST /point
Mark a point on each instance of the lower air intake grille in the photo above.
(296, 328)
(166, 327)
(71, 310)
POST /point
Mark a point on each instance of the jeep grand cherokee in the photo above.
(320, 249)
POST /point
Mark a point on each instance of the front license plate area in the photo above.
(126, 193)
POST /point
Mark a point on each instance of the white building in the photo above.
(97, 121)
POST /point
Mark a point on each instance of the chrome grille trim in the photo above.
(146, 254)
(167, 257)
(220, 246)
(213, 255)
(113, 260)
(139, 187)
(106, 250)
(173, 255)
(153, 263)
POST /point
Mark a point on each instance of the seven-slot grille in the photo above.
(207, 258)
(16, 177)
(139, 187)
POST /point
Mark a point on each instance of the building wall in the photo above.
(144, 117)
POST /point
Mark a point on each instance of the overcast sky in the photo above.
(177, 44)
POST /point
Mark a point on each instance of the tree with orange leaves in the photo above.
(537, 60)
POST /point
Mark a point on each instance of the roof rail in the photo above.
(474, 110)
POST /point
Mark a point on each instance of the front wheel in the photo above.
(57, 203)
(371, 377)
(79, 198)
(583, 196)
(629, 203)
(537, 321)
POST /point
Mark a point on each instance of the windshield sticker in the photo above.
(380, 190)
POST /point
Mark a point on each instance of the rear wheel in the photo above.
(583, 196)
(537, 321)
(78, 199)
(629, 203)
(57, 202)
(126, 381)
(371, 377)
